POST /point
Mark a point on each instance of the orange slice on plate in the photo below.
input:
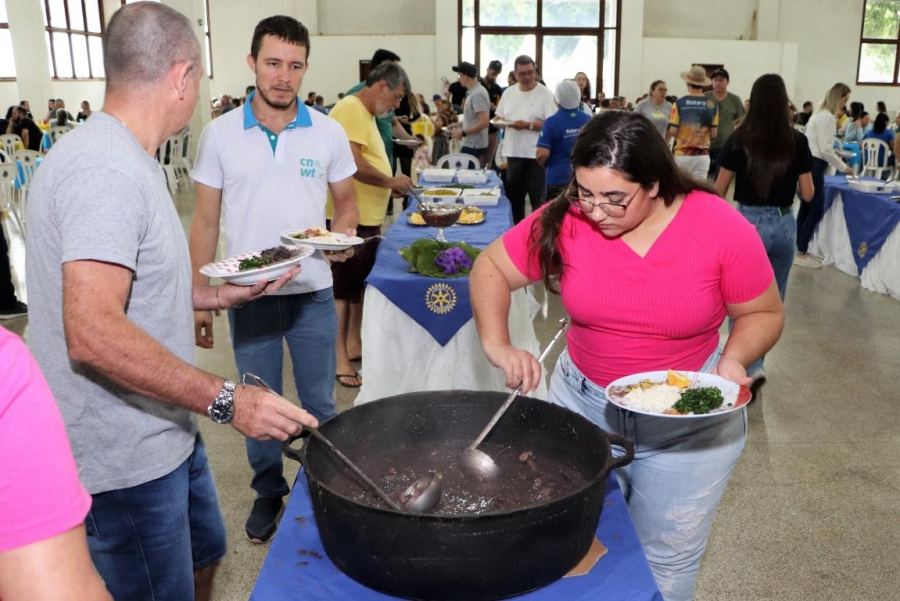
(679, 380)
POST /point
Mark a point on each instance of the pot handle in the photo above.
(290, 452)
(614, 462)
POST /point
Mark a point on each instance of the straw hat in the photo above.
(696, 76)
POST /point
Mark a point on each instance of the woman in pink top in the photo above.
(43, 548)
(648, 262)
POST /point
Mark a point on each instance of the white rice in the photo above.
(655, 399)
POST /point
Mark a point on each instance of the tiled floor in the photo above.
(811, 511)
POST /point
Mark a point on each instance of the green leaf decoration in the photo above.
(422, 253)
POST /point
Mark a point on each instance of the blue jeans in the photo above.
(308, 323)
(779, 235)
(148, 540)
(811, 212)
(676, 480)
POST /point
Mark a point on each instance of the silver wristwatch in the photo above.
(222, 409)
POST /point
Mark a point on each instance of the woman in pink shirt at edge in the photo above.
(43, 546)
(648, 262)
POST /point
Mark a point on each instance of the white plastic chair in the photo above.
(57, 131)
(2, 156)
(8, 196)
(872, 150)
(459, 160)
(168, 160)
(184, 162)
(8, 144)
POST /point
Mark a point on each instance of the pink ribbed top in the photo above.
(631, 314)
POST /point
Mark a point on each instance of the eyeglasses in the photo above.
(397, 97)
(613, 209)
(525, 73)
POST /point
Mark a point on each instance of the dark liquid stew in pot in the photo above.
(527, 479)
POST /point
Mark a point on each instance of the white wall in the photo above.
(666, 58)
(387, 17)
(700, 19)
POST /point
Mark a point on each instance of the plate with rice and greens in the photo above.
(677, 394)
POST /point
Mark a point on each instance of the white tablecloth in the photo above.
(401, 356)
(832, 243)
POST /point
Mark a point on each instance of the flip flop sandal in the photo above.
(338, 377)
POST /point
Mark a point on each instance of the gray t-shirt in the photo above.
(657, 113)
(99, 196)
(476, 101)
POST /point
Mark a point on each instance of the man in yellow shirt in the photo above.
(374, 183)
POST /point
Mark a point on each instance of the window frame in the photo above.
(68, 31)
(540, 31)
(886, 42)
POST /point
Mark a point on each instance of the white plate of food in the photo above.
(501, 123)
(319, 237)
(249, 268)
(404, 142)
(677, 394)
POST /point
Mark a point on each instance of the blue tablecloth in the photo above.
(621, 575)
(871, 217)
(440, 305)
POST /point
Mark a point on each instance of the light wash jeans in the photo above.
(678, 475)
(308, 323)
(779, 235)
(695, 166)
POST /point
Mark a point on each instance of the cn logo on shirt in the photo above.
(313, 169)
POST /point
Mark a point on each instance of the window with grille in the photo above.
(563, 37)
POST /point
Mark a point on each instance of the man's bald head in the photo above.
(143, 42)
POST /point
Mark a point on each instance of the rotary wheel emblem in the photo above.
(862, 250)
(440, 298)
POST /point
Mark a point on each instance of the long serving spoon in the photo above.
(321, 437)
(479, 464)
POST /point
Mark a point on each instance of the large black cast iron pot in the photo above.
(466, 558)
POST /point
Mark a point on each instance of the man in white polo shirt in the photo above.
(270, 166)
(526, 103)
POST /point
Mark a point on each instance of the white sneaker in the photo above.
(807, 261)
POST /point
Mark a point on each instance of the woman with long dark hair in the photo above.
(820, 135)
(584, 86)
(772, 163)
(648, 262)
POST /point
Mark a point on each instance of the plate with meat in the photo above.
(319, 237)
(677, 394)
(248, 268)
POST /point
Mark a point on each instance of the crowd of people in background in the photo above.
(101, 316)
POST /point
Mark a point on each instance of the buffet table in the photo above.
(859, 235)
(297, 568)
(418, 333)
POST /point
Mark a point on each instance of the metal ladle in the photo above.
(479, 464)
(321, 437)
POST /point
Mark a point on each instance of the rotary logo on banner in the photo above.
(440, 298)
(862, 250)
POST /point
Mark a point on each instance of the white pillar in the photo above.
(193, 10)
(31, 55)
